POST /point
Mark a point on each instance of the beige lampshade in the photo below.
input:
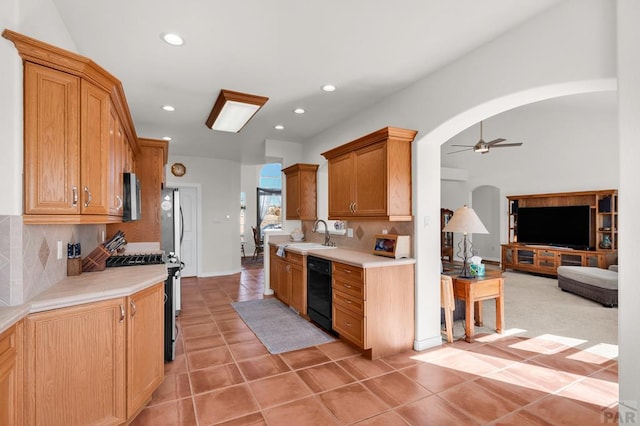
(465, 221)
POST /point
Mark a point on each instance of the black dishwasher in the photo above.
(319, 291)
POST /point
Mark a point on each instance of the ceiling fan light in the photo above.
(233, 110)
(481, 149)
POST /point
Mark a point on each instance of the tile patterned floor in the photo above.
(224, 375)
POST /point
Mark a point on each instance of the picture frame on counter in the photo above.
(395, 246)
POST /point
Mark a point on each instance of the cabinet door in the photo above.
(116, 164)
(283, 290)
(94, 149)
(298, 284)
(370, 185)
(11, 375)
(340, 187)
(293, 196)
(145, 346)
(51, 141)
(75, 365)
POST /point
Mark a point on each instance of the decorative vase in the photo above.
(606, 242)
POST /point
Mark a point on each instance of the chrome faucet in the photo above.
(327, 237)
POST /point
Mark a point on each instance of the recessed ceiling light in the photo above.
(279, 127)
(328, 88)
(166, 138)
(299, 110)
(172, 39)
(168, 108)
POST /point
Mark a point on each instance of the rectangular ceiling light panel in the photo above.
(233, 110)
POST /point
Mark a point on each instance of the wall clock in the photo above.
(178, 169)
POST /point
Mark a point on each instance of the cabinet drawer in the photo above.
(348, 272)
(354, 304)
(349, 325)
(354, 289)
(293, 258)
(288, 256)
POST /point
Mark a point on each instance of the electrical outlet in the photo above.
(59, 250)
(385, 231)
(350, 232)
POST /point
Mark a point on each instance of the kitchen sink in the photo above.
(308, 246)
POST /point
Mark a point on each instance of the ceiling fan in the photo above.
(484, 147)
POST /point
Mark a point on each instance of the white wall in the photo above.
(25, 17)
(220, 219)
(511, 71)
(629, 130)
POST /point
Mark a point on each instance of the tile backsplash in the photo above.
(28, 255)
(363, 233)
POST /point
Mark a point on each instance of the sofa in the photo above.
(599, 285)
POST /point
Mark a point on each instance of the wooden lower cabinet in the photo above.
(288, 279)
(95, 363)
(373, 308)
(145, 347)
(11, 375)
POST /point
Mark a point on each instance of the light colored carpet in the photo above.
(279, 328)
(535, 306)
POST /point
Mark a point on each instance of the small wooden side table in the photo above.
(473, 291)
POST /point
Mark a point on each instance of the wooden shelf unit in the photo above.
(546, 259)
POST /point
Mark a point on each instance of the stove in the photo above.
(136, 259)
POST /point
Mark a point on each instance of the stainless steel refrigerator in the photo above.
(172, 231)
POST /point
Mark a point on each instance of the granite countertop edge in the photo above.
(87, 287)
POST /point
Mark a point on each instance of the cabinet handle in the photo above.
(348, 324)
(347, 271)
(288, 268)
(120, 203)
(347, 286)
(86, 190)
(354, 207)
(121, 313)
(298, 210)
(347, 301)
(74, 201)
(134, 309)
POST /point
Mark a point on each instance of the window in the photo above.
(269, 198)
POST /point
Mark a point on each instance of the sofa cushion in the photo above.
(598, 277)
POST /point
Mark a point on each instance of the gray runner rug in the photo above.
(278, 327)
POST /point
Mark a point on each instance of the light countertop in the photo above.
(10, 315)
(86, 288)
(350, 256)
(95, 286)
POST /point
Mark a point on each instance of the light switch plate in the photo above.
(59, 250)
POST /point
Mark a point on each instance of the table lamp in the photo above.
(465, 221)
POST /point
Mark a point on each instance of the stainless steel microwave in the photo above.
(132, 202)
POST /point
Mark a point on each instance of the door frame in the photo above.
(198, 210)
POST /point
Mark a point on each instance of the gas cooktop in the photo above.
(136, 259)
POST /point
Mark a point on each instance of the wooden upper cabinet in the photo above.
(370, 177)
(302, 189)
(149, 168)
(72, 160)
(51, 141)
(94, 149)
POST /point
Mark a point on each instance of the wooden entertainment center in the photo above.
(542, 259)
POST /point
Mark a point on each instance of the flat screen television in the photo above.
(568, 226)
